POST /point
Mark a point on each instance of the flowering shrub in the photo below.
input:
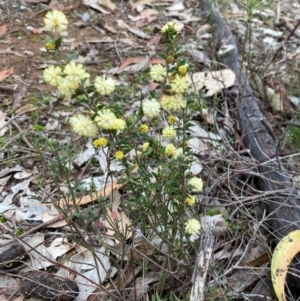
(163, 186)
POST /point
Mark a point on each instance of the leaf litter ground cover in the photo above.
(104, 256)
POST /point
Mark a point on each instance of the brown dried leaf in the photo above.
(157, 60)
(6, 73)
(92, 197)
(208, 117)
(140, 64)
(152, 85)
(27, 107)
(3, 29)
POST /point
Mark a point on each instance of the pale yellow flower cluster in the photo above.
(169, 132)
(104, 85)
(182, 70)
(119, 125)
(66, 80)
(192, 226)
(179, 84)
(72, 76)
(173, 103)
(151, 107)
(172, 119)
(75, 72)
(196, 183)
(107, 120)
(158, 73)
(50, 46)
(174, 100)
(83, 126)
(52, 75)
(56, 21)
(170, 150)
(179, 152)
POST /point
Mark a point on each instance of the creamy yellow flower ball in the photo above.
(170, 150)
(105, 85)
(67, 87)
(169, 132)
(56, 21)
(196, 183)
(119, 125)
(158, 72)
(105, 119)
(52, 75)
(192, 226)
(75, 72)
(179, 84)
(83, 126)
(151, 107)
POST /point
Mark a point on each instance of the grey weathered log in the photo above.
(283, 209)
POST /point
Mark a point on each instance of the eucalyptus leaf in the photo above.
(283, 255)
